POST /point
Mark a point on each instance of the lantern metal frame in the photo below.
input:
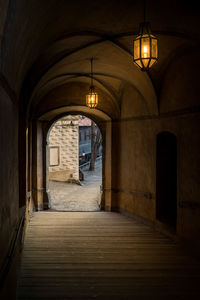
(145, 36)
(92, 96)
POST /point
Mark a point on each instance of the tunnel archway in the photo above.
(166, 178)
(40, 158)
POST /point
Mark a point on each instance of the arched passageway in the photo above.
(41, 160)
(45, 74)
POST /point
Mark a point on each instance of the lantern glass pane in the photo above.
(152, 62)
(145, 62)
(154, 48)
(136, 49)
(145, 47)
(138, 63)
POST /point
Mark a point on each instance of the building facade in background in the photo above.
(64, 150)
(69, 147)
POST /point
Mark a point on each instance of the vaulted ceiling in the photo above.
(48, 45)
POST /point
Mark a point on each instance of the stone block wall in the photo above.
(63, 150)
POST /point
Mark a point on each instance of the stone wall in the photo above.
(9, 183)
(63, 150)
(135, 184)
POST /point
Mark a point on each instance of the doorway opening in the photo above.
(74, 164)
(166, 179)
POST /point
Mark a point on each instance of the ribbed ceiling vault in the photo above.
(48, 45)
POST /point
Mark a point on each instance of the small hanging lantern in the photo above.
(145, 47)
(92, 96)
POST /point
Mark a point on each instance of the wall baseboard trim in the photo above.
(153, 224)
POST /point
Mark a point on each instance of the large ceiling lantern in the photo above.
(92, 96)
(145, 46)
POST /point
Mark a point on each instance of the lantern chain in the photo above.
(92, 71)
(144, 10)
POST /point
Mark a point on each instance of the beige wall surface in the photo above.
(136, 176)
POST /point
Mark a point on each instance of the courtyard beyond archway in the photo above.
(65, 196)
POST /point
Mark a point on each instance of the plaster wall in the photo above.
(9, 208)
(136, 175)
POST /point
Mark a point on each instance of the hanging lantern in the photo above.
(145, 47)
(92, 96)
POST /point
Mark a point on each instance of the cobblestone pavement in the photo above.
(73, 197)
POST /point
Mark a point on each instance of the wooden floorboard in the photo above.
(100, 255)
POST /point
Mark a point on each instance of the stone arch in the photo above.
(41, 130)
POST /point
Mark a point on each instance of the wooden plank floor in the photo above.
(101, 255)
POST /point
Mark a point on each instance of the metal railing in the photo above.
(99, 158)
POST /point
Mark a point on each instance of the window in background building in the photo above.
(54, 158)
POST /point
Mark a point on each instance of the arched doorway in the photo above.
(166, 178)
(74, 164)
(40, 130)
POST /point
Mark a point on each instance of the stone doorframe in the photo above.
(41, 129)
